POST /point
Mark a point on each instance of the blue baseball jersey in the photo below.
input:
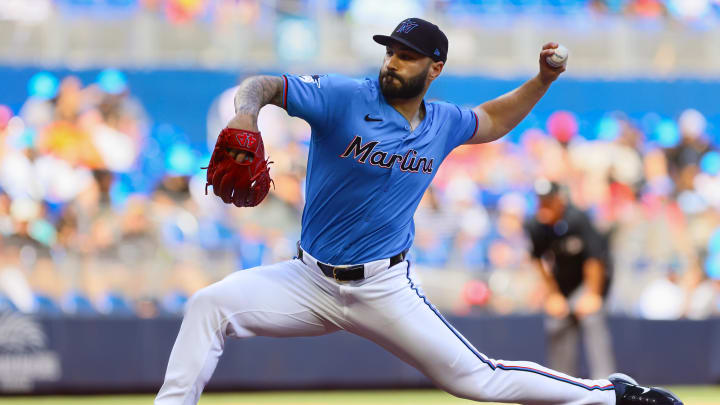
(367, 171)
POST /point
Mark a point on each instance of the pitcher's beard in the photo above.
(409, 88)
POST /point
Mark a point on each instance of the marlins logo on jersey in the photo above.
(409, 162)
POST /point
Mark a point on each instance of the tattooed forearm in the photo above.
(256, 92)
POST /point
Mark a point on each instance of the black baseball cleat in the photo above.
(628, 392)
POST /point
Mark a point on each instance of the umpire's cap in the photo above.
(419, 35)
(545, 188)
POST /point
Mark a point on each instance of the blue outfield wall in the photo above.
(125, 355)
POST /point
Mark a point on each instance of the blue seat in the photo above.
(121, 3)
(75, 303)
(435, 255)
(108, 9)
(46, 306)
(564, 6)
(114, 304)
(523, 6)
(616, 6)
(249, 253)
(6, 304)
(210, 235)
(475, 256)
(173, 303)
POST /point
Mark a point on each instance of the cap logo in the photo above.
(406, 26)
(437, 52)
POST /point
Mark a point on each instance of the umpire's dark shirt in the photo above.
(566, 245)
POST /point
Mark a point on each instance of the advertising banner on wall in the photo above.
(25, 357)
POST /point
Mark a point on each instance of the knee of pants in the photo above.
(469, 386)
(206, 307)
(203, 301)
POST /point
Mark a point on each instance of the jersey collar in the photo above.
(391, 114)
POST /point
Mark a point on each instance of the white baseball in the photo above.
(559, 58)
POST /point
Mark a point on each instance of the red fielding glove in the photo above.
(245, 183)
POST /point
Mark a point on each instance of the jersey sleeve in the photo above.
(316, 98)
(462, 122)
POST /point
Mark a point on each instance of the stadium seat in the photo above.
(173, 303)
(104, 9)
(121, 3)
(249, 252)
(6, 304)
(434, 255)
(114, 304)
(616, 6)
(564, 6)
(46, 306)
(524, 6)
(78, 304)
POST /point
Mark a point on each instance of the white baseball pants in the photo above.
(294, 298)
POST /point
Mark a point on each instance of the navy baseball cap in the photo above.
(419, 35)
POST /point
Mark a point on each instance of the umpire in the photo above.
(574, 262)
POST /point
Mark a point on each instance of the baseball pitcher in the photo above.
(376, 145)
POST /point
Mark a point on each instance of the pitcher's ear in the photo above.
(435, 69)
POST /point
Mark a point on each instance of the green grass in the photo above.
(704, 395)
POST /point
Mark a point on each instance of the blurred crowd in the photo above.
(614, 38)
(253, 11)
(103, 212)
(653, 187)
(679, 10)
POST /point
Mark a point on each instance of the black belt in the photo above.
(349, 273)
